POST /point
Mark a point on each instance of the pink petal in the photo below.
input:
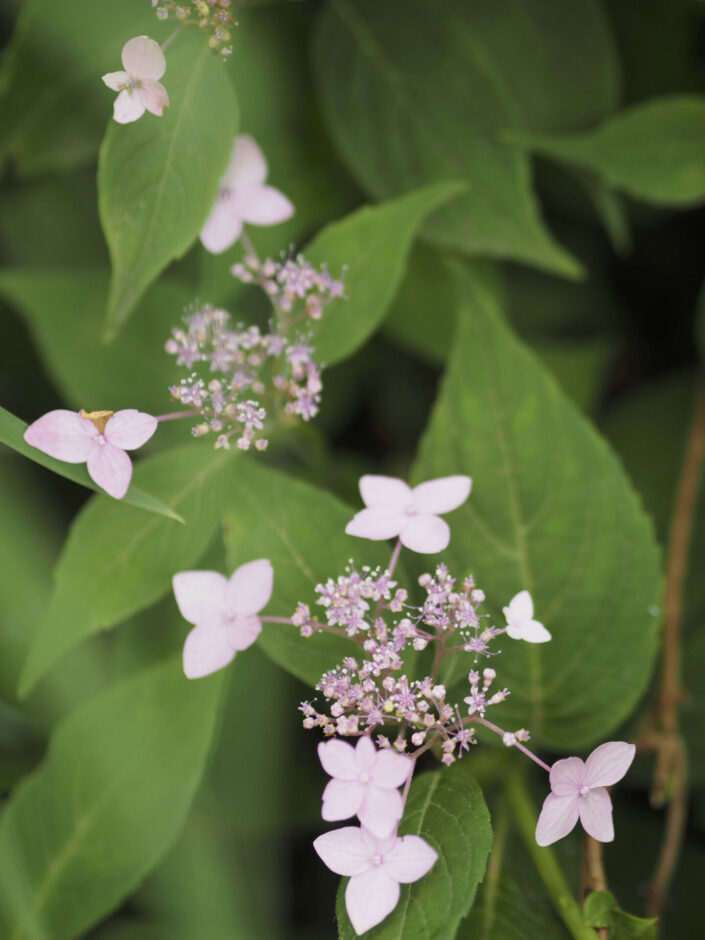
(380, 810)
(110, 468)
(378, 523)
(201, 596)
(425, 534)
(410, 859)
(249, 587)
(385, 491)
(116, 80)
(262, 205)
(608, 763)
(365, 754)
(128, 107)
(534, 632)
(206, 651)
(243, 631)
(222, 228)
(154, 96)
(369, 898)
(247, 164)
(338, 759)
(438, 496)
(521, 606)
(596, 814)
(143, 58)
(341, 799)
(62, 434)
(343, 850)
(129, 429)
(567, 776)
(391, 769)
(558, 816)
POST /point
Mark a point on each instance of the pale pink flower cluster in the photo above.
(211, 16)
(294, 286)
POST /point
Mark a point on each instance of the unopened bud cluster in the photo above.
(212, 16)
(294, 286)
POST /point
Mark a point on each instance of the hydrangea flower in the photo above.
(243, 197)
(578, 791)
(520, 622)
(140, 90)
(364, 783)
(376, 868)
(97, 438)
(223, 612)
(394, 509)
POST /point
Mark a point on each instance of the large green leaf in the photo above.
(158, 177)
(397, 131)
(551, 512)
(54, 106)
(11, 434)
(371, 247)
(117, 561)
(302, 531)
(655, 151)
(447, 808)
(105, 805)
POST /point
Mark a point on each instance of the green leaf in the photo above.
(372, 63)
(117, 561)
(158, 177)
(653, 151)
(54, 106)
(447, 809)
(105, 805)
(371, 246)
(601, 910)
(11, 434)
(272, 516)
(547, 495)
(62, 308)
(597, 909)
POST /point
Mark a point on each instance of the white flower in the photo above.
(520, 622)
(139, 89)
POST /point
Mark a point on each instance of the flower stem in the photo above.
(545, 861)
(395, 557)
(474, 719)
(593, 877)
(178, 414)
(168, 41)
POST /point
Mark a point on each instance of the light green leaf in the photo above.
(551, 512)
(302, 531)
(11, 434)
(117, 561)
(105, 805)
(654, 151)
(397, 131)
(54, 106)
(158, 177)
(371, 246)
(447, 809)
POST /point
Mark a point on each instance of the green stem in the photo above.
(545, 861)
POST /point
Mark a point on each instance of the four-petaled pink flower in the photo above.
(223, 611)
(98, 438)
(243, 197)
(376, 868)
(364, 783)
(393, 508)
(578, 791)
(140, 90)
(520, 620)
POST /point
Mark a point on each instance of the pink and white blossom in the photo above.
(98, 438)
(223, 611)
(364, 783)
(395, 509)
(520, 620)
(578, 792)
(243, 197)
(376, 868)
(144, 63)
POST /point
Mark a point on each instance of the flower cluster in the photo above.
(294, 286)
(212, 16)
(248, 367)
